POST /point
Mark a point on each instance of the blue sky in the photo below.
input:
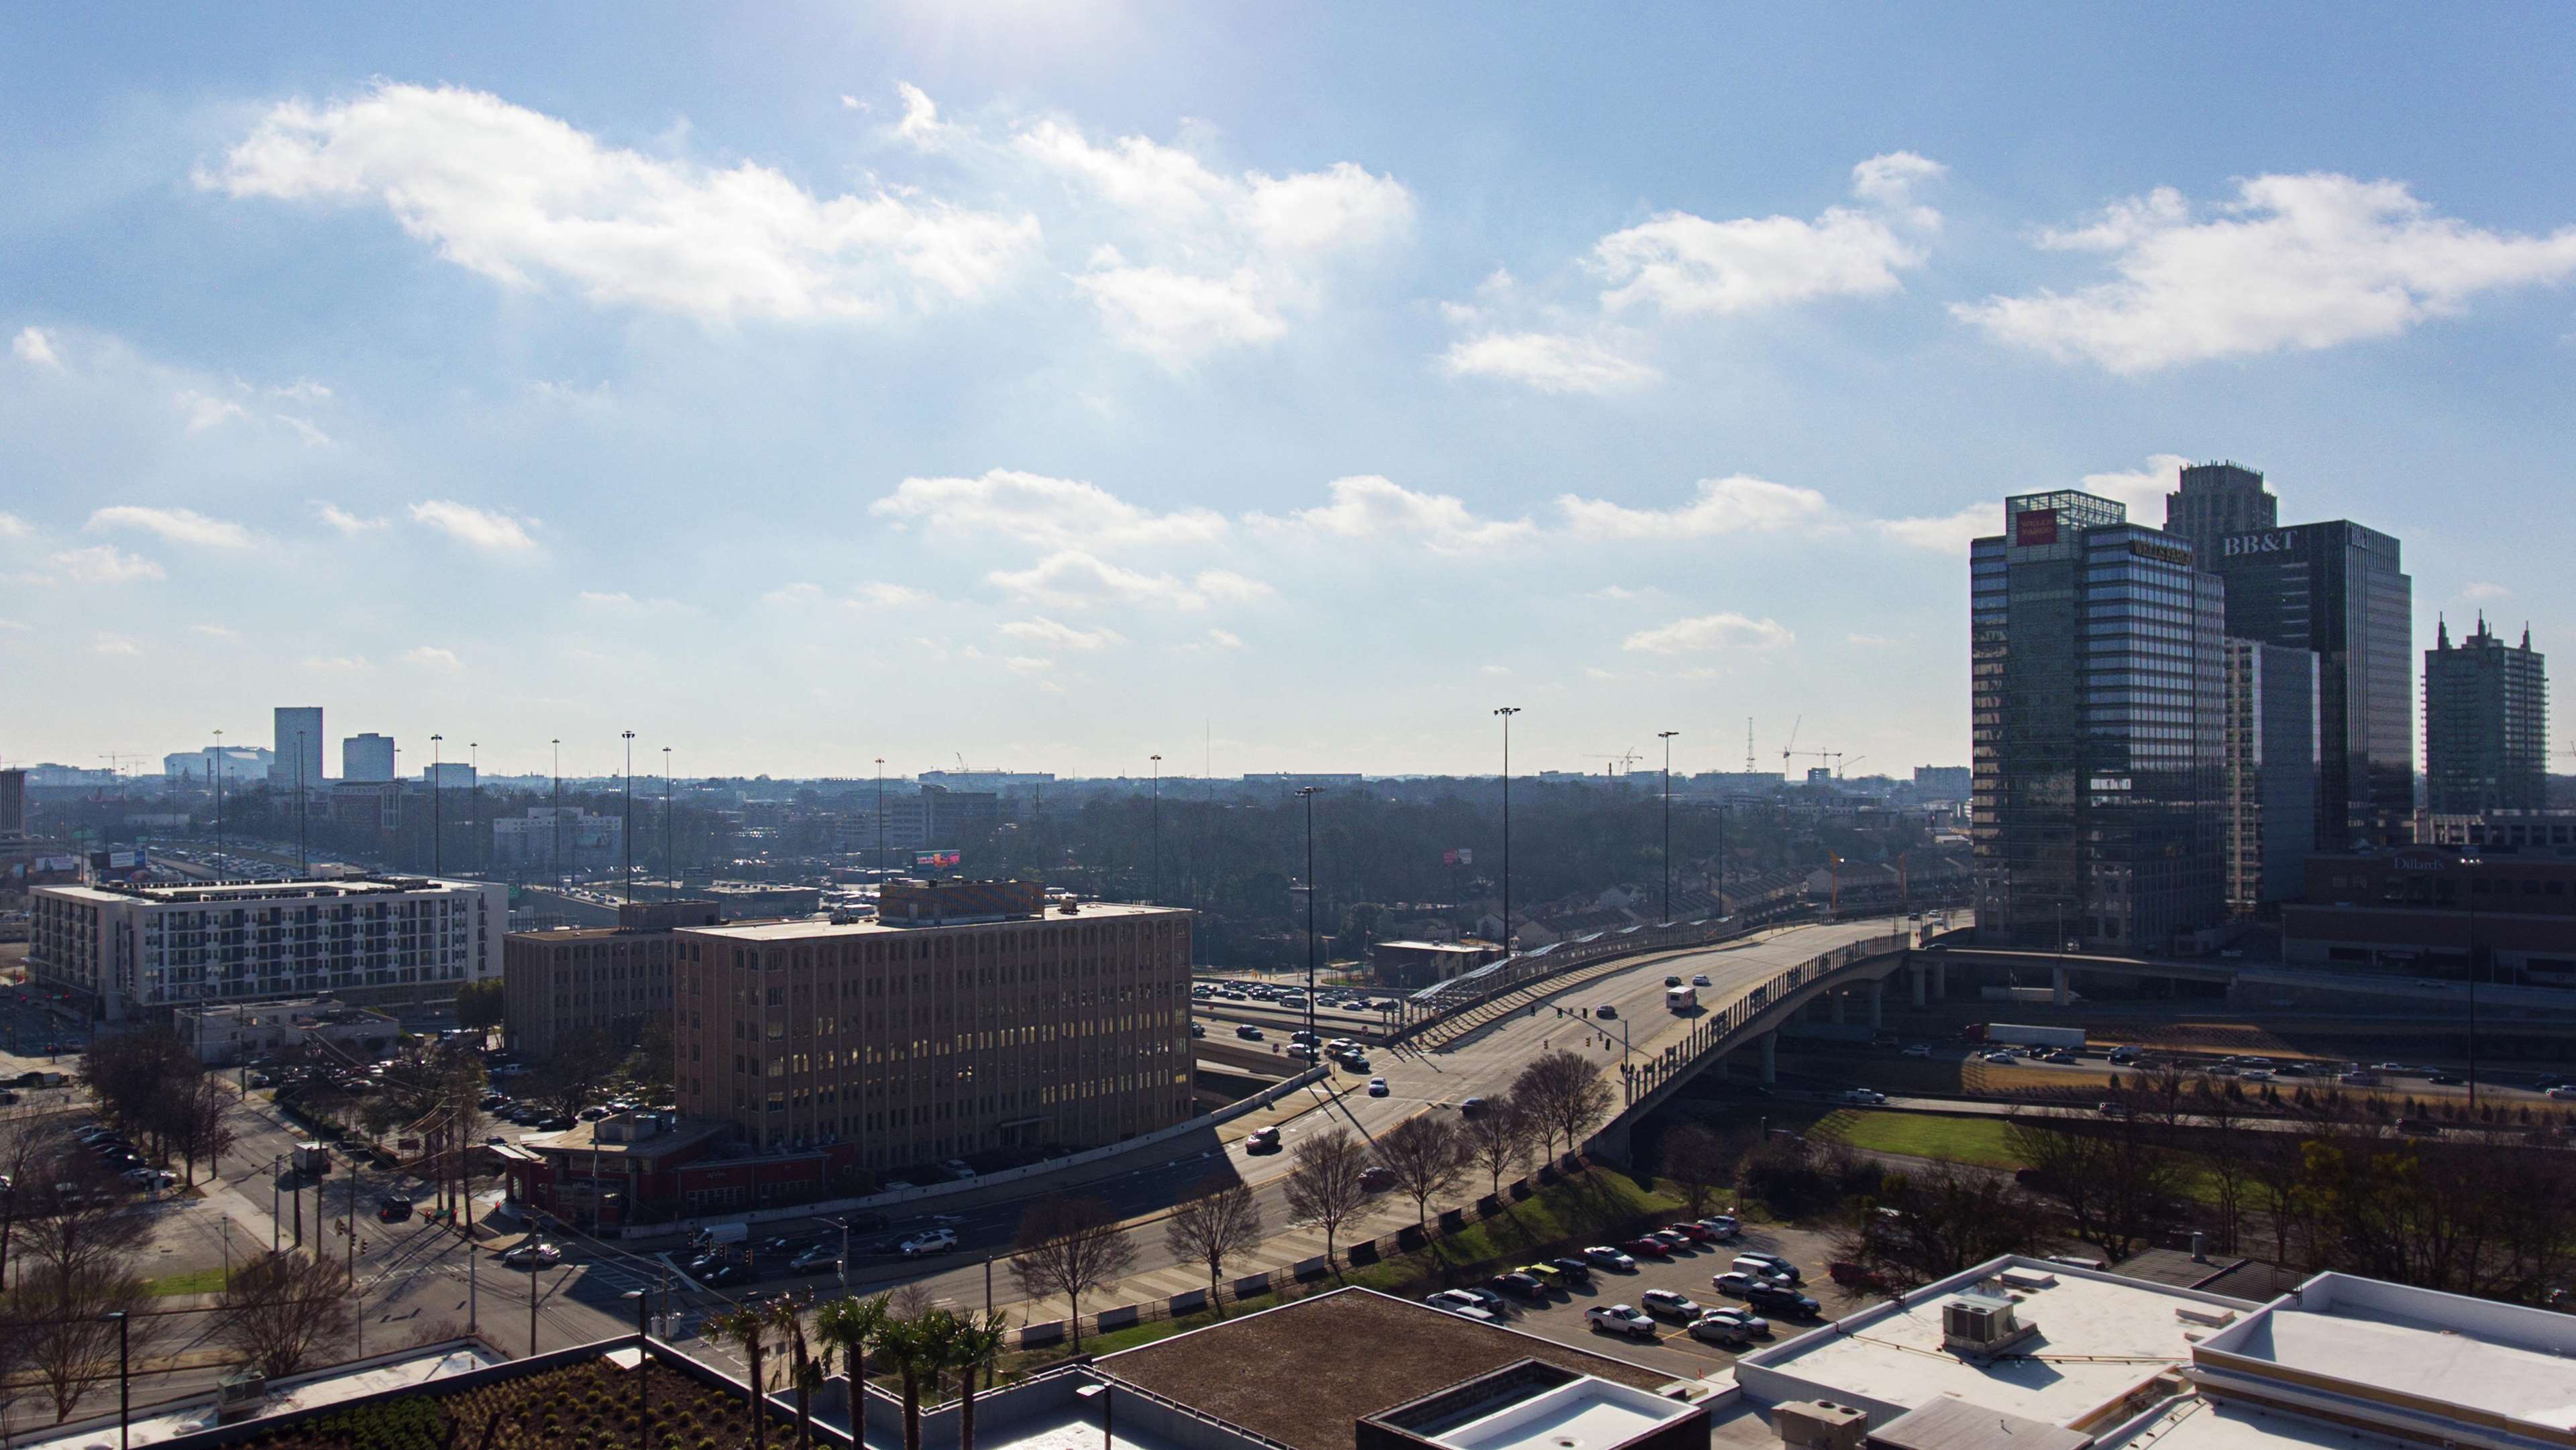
(1052, 385)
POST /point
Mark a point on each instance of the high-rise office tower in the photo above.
(368, 757)
(2486, 725)
(2339, 590)
(2099, 693)
(2271, 780)
(2218, 499)
(299, 743)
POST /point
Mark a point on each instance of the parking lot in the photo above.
(1560, 1316)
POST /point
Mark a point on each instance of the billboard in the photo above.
(938, 859)
(2035, 526)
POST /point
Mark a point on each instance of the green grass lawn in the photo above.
(1921, 1135)
(199, 1281)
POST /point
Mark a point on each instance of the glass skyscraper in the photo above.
(2486, 725)
(2098, 655)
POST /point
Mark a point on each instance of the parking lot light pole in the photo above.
(124, 1382)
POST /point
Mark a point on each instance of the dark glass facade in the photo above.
(2099, 695)
(2486, 725)
(2338, 589)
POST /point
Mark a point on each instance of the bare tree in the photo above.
(280, 1310)
(1328, 1183)
(1698, 1163)
(1929, 1225)
(64, 1327)
(30, 1146)
(82, 1225)
(1426, 1155)
(201, 1126)
(1220, 1221)
(1499, 1139)
(1565, 1092)
(1070, 1246)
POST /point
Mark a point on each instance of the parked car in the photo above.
(1735, 1282)
(1751, 1323)
(1377, 1087)
(1609, 1258)
(1768, 1264)
(1646, 1246)
(1697, 1233)
(1673, 1243)
(1780, 1300)
(1670, 1304)
(1575, 1270)
(929, 1241)
(1619, 1319)
(1520, 1285)
(1720, 1226)
(1724, 1333)
(1548, 1274)
(1460, 1303)
(1864, 1097)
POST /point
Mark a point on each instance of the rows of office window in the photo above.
(893, 947)
(2442, 890)
(1166, 1028)
(161, 987)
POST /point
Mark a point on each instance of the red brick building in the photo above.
(2419, 909)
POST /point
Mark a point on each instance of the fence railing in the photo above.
(1712, 1032)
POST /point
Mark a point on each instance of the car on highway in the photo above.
(819, 1259)
(534, 1254)
(1917, 1049)
(1354, 1062)
(776, 1246)
(1460, 1303)
(1670, 1304)
(1743, 1319)
(1247, 1032)
(1605, 1010)
(1519, 1285)
(1575, 1270)
(1262, 1140)
(1619, 1319)
(2060, 1055)
(724, 1272)
(1861, 1096)
(1377, 1087)
(1609, 1258)
(1780, 1299)
(1646, 1246)
(2439, 1079)
(1471, 1106)
(1672, 981)
(959, 1169)
(2005, 1055)
(929, 1241)
(2562, 1094)
(393, 1208)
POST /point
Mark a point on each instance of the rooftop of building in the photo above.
(2099, 1337)
(219, 893)
(2409, 1353)
(1467, 948)
(1331, 1360)
(406, 1370)
(659, 1139)
(2196, 1422)
(809, 929)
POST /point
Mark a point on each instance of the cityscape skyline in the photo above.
(1634, 425)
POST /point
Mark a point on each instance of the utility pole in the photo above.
(670, 863)
(2468, 889)
(1308, 793)
(1667, 737)
(1157, 897)
(1507, 712)
(437, 822)
(628, 832)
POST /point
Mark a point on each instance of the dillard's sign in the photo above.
(2236, 546)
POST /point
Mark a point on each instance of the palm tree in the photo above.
(917, 1347)
(849, 1326)
(745, 1327)
(786, 1315)
(972, 1347)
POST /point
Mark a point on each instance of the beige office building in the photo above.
(975, 1016)
(560, 984)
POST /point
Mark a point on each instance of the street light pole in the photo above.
(437, 821)
(1157, 897)
(1507, 712)
(1308, 793)
(2469, 889)
(627, 831)
(219, 792)
(1667, 737)
(670, 862)
(880, 818)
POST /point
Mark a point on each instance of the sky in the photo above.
(1051, 386)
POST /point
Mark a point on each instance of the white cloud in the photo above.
(431, 657)
(1224, 260)
(14, 527)
(1225, 639)
(338, 664)
(878, 594)
(313, 437)
(1949, 533)
(1552, 362)
(618, 601)
(1027, 664)
(1870, 641)
(1071, 579)
(493, 533)
(1043, 630)
(2481, 589)
(345, 521)
(518, 196)
(179, 526)
(207, 411)
(1617, 594)
(1732, 505)
(920, 124)
(2291, 263)
(35, 345)
(799, 592)
(1687, 264)
(302, 390)
(2142, 489)
(116, 645)
(14, 626)
(1059, 512)
(104, 564)
(215, 631)
(1370, 507)
(1725, 630)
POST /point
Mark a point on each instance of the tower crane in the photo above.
(1792, 747)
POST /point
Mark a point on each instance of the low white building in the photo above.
(568, 839)
(136, 950)
(235, 1032)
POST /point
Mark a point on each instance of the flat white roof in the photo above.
(809, 928)
(169, 1422)
(2407, 1350)
(1587, 1414)
(2194, 1422)
(2099, 1337)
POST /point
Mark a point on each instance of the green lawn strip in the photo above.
(196, 1281)
(1977, 1141)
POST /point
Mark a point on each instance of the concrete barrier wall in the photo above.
(1120, 1317)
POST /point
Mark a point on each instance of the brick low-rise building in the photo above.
(999, 1022)
(563, 983)
(2424, 910)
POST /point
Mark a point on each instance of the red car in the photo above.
(1648, 1248)
(1691, 1231)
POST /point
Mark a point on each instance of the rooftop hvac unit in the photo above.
(1982, 1328)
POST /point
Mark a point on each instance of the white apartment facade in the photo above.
(140, 950)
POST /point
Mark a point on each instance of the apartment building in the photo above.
(558, 985)
(973, 1016)
(129, 951)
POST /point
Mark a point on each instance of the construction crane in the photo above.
(1749, 766)
(1792, 747)
(1617, 765)
(116, 760)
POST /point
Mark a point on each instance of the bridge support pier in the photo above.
(1877, 1005)
(1921, 974)
(2057, 994)
(1941, 981)
(1834, 1009)
(1770, 1058)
